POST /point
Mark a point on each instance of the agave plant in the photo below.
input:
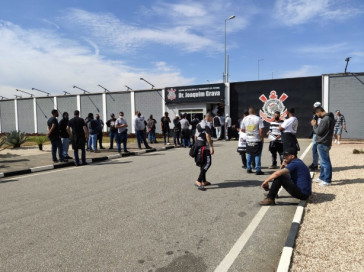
(16, 138)
(2, 142)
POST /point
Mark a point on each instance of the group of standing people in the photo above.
(293, 174)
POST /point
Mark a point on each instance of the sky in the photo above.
(54, 45)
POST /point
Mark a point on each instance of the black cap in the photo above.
(290, 151)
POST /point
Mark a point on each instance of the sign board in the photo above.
(211, 93)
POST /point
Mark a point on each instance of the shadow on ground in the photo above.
(236, 183)
(338, 169)
(347, 182)
(317, 198)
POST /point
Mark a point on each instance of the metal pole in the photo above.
(224, 77)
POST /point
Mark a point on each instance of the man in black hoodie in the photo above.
(324, 132)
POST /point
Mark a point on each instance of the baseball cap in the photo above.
(289, 151)
(317, 104)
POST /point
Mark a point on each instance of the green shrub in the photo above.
(2, 142)
(39, 139)
(15, 138)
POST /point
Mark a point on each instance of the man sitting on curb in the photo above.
(294, 177)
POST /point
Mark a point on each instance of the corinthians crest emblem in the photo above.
(272, 105)
(171, 94)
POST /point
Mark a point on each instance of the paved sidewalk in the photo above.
(27, 157)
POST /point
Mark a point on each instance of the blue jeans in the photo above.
(140, 134)
(57, 144)
(186, 142)
(65, 145)
(326, 168)
(122, 138)
(113, 135)
(315, 155)
(151, 136)
(92, 140)
(83, 156)
(257, 159)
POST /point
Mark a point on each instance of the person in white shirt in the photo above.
(139, 125)
(289, 130)
(228, 127)
(253, 126)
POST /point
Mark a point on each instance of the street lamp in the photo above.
(41, 91)
(225, 79)
(129, 89)
(347, 62)
(106, 90)
(259, 60)
(84, 91)
(31, 95)
(147, 82)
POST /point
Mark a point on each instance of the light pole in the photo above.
(84, 91)
(225, 69)
(31, 95)
(129, 89)
(147, 82)
(106, 90)
(347, 62)
(259, 60)
(35, 89)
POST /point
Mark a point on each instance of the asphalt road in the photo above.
(143, 213)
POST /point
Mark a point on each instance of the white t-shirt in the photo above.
(252, 124)
(228, 121)
(290, 125)
(242, 139)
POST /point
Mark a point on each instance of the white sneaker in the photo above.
(323, 183)
(335, 141)
(338, 142)
(318, 180)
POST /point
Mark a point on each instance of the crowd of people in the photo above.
(197, 134)
(293, 174)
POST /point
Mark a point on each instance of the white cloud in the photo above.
(189, 26)
(296, 12)
(304, 71)
(324, 49)
(44, 60)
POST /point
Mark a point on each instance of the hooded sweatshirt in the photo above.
(325, 129)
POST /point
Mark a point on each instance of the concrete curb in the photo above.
(286, 257)
(68, 164)
(287, 252)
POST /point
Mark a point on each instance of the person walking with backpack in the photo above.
(151, 122)
(206, 150)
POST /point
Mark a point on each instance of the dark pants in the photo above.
(57, 144)
(176, 137)
(83, 156)
(205, 166)
(141, 137)
(113, 135)
(288, 185)
(274, 148)
(289, 140)
(229, 132)
(99, 138)
(166, 136)
(122, 138)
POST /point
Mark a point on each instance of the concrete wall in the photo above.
(346, 93)
(7, 115)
